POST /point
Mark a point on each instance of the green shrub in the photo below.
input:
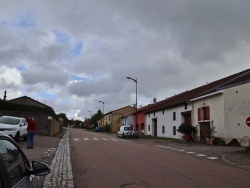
(186, 128)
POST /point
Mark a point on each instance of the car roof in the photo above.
(13, 117)
(3, 134)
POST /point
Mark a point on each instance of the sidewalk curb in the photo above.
(231, 163)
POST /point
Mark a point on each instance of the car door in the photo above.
(16, 165)
(23, 130)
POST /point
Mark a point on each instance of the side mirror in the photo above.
(40, 168)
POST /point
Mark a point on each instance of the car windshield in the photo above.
(126, 128)
(10, 121)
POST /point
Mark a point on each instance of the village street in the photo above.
(103, 160)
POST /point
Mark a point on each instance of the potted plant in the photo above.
(187, 130)
(210, 135)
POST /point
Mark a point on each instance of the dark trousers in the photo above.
(30, 138)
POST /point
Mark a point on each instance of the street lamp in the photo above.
(103, 106)
(102, 112)
(135, 80)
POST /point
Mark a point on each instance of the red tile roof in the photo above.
(182, 98)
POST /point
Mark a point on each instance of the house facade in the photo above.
(165, 122)
(114, 119)
(226, 110)
(225, 103)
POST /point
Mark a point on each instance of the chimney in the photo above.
(154, 100)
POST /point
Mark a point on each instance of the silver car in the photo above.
(15, 127)
(15, 169)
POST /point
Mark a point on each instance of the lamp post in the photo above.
(135, 80)
(102, 112)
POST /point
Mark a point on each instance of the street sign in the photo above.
(248, 121)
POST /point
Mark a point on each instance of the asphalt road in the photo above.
(102, 160)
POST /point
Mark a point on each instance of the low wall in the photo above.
(46, 126)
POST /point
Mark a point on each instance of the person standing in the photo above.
(31, 128)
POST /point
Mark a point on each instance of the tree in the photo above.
(62, 115)
(94, 119)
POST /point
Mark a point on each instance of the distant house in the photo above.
(164, 117)
(113, 118)
(128, 118)
(136, 118)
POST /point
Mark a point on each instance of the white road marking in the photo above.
(213, 158)
(76, 139)
(190, 152)
(114, 140)
(162, 146)
(105, 139)
(200, 155)
(95, 139)
(85, 138)
(181, 150)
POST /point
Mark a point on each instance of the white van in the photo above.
(126, 131)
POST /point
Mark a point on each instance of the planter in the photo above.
(188, 137)
(209, 141)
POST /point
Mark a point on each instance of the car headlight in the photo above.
(12, 129)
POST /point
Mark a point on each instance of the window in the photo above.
(203, 113)
(149, 115)
(148, 127)
(174, 116)
(163, 111)
(163, 129)
(154, 114)
(174, 130)
(185, 106)
(15, 165)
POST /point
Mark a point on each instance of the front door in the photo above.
(155, 127)
(203, 127)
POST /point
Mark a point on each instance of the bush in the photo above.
(106, 128)
(186, 128)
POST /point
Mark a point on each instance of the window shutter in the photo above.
(199, 114)
(207, 113)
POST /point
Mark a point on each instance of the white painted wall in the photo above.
(129, 120)
(237, 109)
(166, 120)
(216, 105)
(228, 111)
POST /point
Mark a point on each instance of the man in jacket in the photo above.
(31, 128)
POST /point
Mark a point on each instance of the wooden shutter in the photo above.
(199, 114)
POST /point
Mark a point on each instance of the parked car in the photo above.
(15, 127)
(98, 129)
(15, 169)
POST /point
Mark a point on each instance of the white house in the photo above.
(226, 109)
(224, 102)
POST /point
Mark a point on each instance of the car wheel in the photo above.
(17, 136)
(122, 135)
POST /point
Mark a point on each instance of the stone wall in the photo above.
(46, 125)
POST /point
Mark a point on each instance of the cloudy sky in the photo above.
(72, 54)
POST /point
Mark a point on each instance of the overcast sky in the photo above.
(71, 54)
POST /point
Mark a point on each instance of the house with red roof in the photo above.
(164, 117)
